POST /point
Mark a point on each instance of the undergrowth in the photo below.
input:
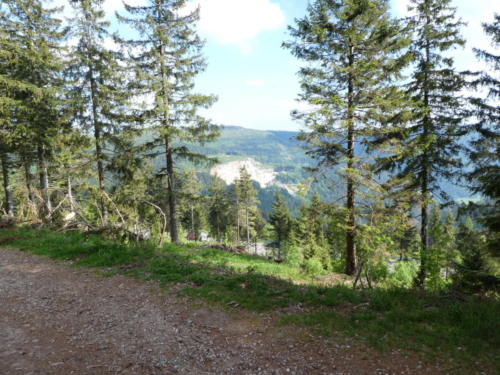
(439, 325)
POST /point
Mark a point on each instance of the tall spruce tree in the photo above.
(281, 219)
(485, 148)
(14, 106)
(10, 88)
(355, 53)
(429, 147)
(97, 79)
(167, 58)
(38, 33)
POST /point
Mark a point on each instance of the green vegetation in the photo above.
(355, 53)
(111, 141)
(438, 325)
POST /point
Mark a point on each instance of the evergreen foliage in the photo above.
(37, 35)
(281, 219)
(166, 58)
(355, 53)
(114, 136)
(484, 149)
(98, 95)
(429, 147)
(219, 209)
(248, 217)
(191, 210)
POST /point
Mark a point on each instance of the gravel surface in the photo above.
(57, 319)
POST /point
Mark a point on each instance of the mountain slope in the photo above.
(276, 161)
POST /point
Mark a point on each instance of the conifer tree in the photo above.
(6, 167)
(429, 148)
(39, 35)
(485, 148)
(9, 88)
(247, 199)
(98, 93)
(190, 200)
(281, 219)
(167, 57)
(218, 208)
(473, 273)
(310, 235)
(13, 90)
(356, 53)
(436, 250)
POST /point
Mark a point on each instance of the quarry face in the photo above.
(230, 171)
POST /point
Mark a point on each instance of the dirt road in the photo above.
(57, 319)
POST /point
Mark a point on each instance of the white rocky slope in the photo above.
(230, 171)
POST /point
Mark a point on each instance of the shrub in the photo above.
(314, 266)
(404, 274)
(294, 256)
(378, 271)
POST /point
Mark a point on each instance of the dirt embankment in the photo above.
(56, 319)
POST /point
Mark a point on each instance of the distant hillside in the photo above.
(276, 161)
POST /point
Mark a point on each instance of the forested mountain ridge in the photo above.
(281, 152)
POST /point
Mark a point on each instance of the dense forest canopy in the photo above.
(109, 137)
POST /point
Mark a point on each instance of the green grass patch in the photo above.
(467, 331)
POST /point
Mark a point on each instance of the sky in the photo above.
(256, 79)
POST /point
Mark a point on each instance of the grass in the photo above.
(436, 325)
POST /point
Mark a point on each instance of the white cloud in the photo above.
(255, 82)
(230, 22)
(401, 7)
(238, 22)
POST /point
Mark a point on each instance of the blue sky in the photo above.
(254, 78)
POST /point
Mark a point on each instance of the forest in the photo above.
(101, 138)
(105, 155)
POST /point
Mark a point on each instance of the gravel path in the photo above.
(56, 319)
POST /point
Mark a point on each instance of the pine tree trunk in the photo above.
(174, 234)
(172, 204)
(351, 222)
(192, 222)
(248, 225)
(237, 222)
(424, 238)
(44, 177)
(28, 178)
(98, 147)
(9, 197)
(217, 227)
(424, 178)
(70, 194)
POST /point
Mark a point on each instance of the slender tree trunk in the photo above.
(351, 220)
(424, 236)
(44, 177)
(217, 227)
(237, 221)
(98, 146)
(28, 178)
(172, 204)
(70, 194)
(192, 221)
(424, 178)
(248, 225)
(9, 196)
